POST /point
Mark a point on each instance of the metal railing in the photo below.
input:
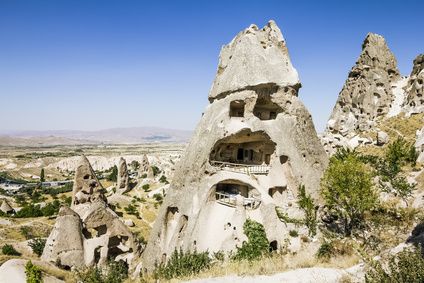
(241, 168)
(231, 200)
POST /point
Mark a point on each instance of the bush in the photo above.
(155, 170)
(113, 176)
(146, 188)
(158, 198)
(33, 273)
(9, 250)
(37, 245)
(257, 244)
(115, 272)
(163, 179)
(348, 191)
(306, 203)
(293, 233)
(405, 267)
(325, 251)
(183, 264)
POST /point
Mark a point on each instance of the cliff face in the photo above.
(253, 147)
(415, 88)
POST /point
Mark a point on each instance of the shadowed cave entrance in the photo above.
(265, 108)
(235, 193)
(246, 151)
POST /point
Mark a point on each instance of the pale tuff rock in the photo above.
(5, 207)
(415, 89)
(13, 271)
(86, 187)
(255, 57)
(367, 92)
(65, 245)
(90, 233)
(122, 185)
(382, 138)
(366, 96)
(419, 145)
(250, 151)
(145, 167)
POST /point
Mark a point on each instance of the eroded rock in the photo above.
(253, 147)
(122, 185)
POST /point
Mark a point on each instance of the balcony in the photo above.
(242, 168)
(231, 200)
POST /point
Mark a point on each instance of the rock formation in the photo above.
(145, 168)
(415, 88)
(419, 145)
(122, 185)
(368, 94)
(89, 232)
(65, 245)
(6, 208)
(253, 147)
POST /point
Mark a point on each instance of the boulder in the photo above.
(382, 138)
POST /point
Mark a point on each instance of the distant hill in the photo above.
(108, 136)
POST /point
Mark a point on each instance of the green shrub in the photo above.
(114, 272)
(144, 176)
(146, 188)
(158, 198)
(132, 210)
(405, 267)
(326, 250)
(293, 233)
(155, 170)
(257, 244)
(163, 179)
(183, 264)
(348, 191)
(37, 245)
(113, 176)
(33, 273)
(306, 203)
(9, 250)
(284, 217)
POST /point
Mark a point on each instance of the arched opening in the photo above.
(265, 109)
(244, 147)
(235, 193)
(237, 108)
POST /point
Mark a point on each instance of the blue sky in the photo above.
(88, 65)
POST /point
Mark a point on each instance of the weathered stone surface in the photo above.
(86, 187)
(5, 207)
(13, 271)
(145, 168)
(251, 150)
(382, 138)
(254, 58)
(65, 244)
(90, 233)
(122, 185)
(367, 92)
(415, 88)
(366, 95)
(419, 145)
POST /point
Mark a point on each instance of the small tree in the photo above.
(9, 250)
(306, 203)
(348, 190)
(37, 245)
(113, 176)
(42, 178)
(33, 273)
(257, 244)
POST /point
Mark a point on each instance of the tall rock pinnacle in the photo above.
(254, 57)
(253, 147)
(367, 94)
